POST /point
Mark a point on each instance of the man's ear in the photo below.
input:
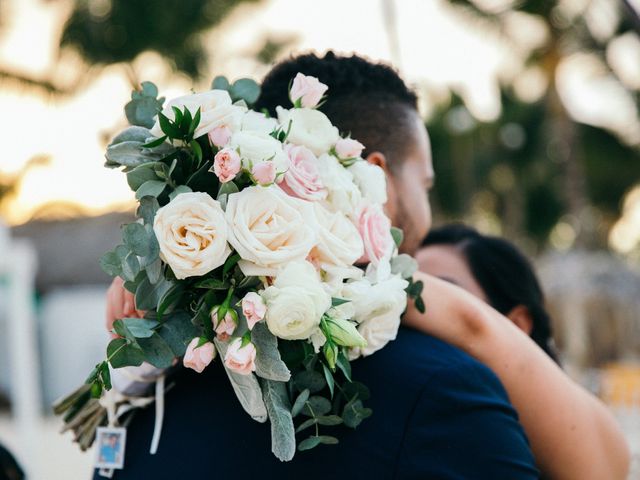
(378, 158)
(521, 317)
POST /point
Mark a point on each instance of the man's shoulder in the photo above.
(417, 357)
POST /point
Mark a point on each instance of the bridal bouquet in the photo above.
(261, 241)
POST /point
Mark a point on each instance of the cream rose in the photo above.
(310, 128)
(216, 110)
(269, 229)
(258, 122)
(255, 148)
(371, 181)
(296, 302)
(343, 194)
(192, 234)
(339, 243)
(378, 309)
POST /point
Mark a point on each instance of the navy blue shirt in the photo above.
(437, 414)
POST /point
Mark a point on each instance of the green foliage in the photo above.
(269, 364)
(143, 107)
(121, 30)
(283, 439)
(397, 235)
(243, 89)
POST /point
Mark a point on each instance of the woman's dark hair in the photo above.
(504, 273)
(9, 469)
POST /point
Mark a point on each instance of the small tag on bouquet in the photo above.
(110, 447)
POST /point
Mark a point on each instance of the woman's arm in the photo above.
(572, 434)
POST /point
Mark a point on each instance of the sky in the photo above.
(435, 49)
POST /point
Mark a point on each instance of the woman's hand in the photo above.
(121, 303)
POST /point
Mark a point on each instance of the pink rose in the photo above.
(375, 229)
(197, 358)
(306, 90)
(348, 148)
(225, 328)
(264, 173)
(220, 136)
(253, 308)
(226, 164)
(302, 179)
(241, 359)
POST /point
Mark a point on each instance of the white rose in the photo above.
(339, 243)
(216, 110)
(310, 128)
(269, 229)
(343, 194)
(192, 234)
(296, 302)
(258, 122)
(256, 147)
(371, 181)
(378, 309)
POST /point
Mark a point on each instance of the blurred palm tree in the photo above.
(536, 165)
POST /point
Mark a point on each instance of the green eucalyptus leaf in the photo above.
(310, 380)
(309, 443)
(130, 267)
(329, 378)
(177, 331)
(148, 295)
(141, 174)
(404, 265)
(147, 209)
(310, 422)
(154, 271)
(152, 188)
(316, 406)
(156, 351)
(136, 239)
(328, 440)
(329, 420)
(140, 327)
(397, 235)
(220, 83)
(245, 89)
(178, 190)
(123, 354)
(354, 413)
(111, 264)
(299, 403)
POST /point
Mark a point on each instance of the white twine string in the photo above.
(157, 428)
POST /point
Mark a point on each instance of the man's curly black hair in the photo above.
(367, 100)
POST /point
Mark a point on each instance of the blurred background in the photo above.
(532, 107)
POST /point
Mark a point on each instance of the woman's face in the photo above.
(447, 263)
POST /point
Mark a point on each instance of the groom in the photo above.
(438, 413)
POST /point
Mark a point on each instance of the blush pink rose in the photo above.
(348, 148)
(241, 359)
(302, 179)
(224, 328)
(254, 308)
(375, 229)
(264, 173)
(307, 90)
(197, 358)
(226, 164)
(220, 136)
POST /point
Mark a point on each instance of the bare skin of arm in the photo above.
(572, 434)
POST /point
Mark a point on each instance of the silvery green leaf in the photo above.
(132, 134)
(316, 406)
(245, 89)
(111, 264)
(404, 265)
(130, 267)
(247, 389)
(283, 437)
(141, 174)
(220, 83)
(156, 351)
(269, 365)
(148, 295)
(299, 403)
(177, 330)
